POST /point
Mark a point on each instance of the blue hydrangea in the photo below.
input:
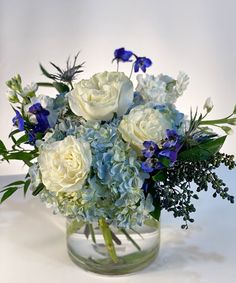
(114, 187)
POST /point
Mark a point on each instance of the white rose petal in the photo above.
(64, 165)
(144, 123)
(98, 98)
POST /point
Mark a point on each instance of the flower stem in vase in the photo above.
(104, 227)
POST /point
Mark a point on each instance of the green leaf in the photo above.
(165, 161)
(26, 186)
(160, 176)
(8, 193)
(156, 213)
(25, 156)
(39, 188)
(22, 139)
(60, 87)
(202, 151)
(13, 133)
(3, 148)
(234, 111)
(44, 84)
(17, 183)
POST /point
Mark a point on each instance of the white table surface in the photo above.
(33, 249)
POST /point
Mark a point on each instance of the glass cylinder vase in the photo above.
(133, 249)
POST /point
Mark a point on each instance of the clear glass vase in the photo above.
(132, 251)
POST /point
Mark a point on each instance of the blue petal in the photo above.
(170, 154)
(18, 121)
(136, 66)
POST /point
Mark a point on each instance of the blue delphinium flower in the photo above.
(123, 55)
(142, 63)
(150, 148)
(159, 158)
(172, 139)
(170, 154)
(41, 117)
(18, 121)
(148, 165)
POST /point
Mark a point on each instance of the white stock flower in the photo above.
(144, 123)
(64, 165)
(161, 89)
(98, 98)
(151, 88)
(29, 90)
(181, 83)
(12, 96)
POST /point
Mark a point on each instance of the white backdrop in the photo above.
(197, 37)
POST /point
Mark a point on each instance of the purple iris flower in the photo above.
(142, 63)
(41, 117)
(150, 149)
(18, 121)
(123, 55)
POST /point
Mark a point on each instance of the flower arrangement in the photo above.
(100, 151)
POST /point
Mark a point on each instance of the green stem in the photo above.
(74, 226)
(91, 230)
(104, 227)
(219, 121)
(131, 70)
(130, 239)
(117, 67)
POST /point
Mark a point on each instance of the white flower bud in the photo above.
(12, 96)
(208, 105)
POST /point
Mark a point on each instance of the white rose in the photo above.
(64, 165)
(101, 96)
(144, 123)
